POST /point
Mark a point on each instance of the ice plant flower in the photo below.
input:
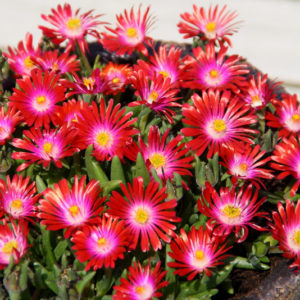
(217, 119)
(141, 283)
(246, 163)
(18, 196)
(286, 230)
(102, 244)
(44, 146)
(286, 158)
(156, 93)
(260, 92)
(37, 97)
(212, 26)
(146, 213)
(108, 129)
(286, 117)
(71, 209)
(231, 210)
(8, 122)
(20, 59)
(195, 253)
(71, 26)
(206, 69)
(13, 242)
(130, 34)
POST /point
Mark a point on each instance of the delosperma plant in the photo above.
(153, 173)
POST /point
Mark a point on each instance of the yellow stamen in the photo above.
(55, 67)
(140, 290)
(141, 216)
(199, 255)
(88, 82)
(214, 73)
(295, 117)
(9, 246)
(210, 26)
(153, 97)
(231, 211)
(116, 80)
(102, 242)
(74, 210)
(255, 99)
(131, 32)
(157, 160)
(40, 99)
(219, 125)
(243, 167)
(74, 24)
(17, 203)
(47, 147)
(102, 139)
(164, 73)
(296, 237)
(28, 62)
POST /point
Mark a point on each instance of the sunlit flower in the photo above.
(8, 121)
(206, 69)
(246, 163)
(13, 242)
(217, 120)
(19, 59)
(44, 146)
(142, 283)
(71, 209)
(130, 34)
(146, 212)
(156, 93)
(231, 211)
(71, 26)
(101, 245)
(214, 26)
(286, 117)
(196, 253)
(108, 129)
(37, 97)
(17, 197)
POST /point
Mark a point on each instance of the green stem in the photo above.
(84, 59)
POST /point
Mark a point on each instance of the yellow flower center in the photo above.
(55, 67)
(102, 139)
(295, 117)
(141, 216)
(219, 125)
(17, 203)
(164, 73)
(74, 24)
(255, 99)
(214, 73)
(243, 167)
(140, 290)
(47, 147)
(231, 211)
(74, 210)
(9, 246)
(131, 32)
(157, 160)
(88, 82)
(40, 99)
(153, 96)
(210, 26)
(199, 255)
(28, 62)
(102, 242)
(116, 80)
(296, 237)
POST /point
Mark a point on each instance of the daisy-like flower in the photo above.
(71, 209)
(217, 120)
(37, 97)
(44, 146)
(8, 121)
(13, 242)
(286, 117)
(142, 283)
(286, 157)
(101, 245)
(20, 59)
(231, 211)
(260, 92)
(212, 26)
(286, 230)
(145, 212)
(246, 163)
(92, 85)
(130, 34)
(166, 62)
(58, 62)
(108, 129)
(116, 76)
(17, 197)
(165, 157)
(156, 92)
(206, 69)
(71, 26)
(195, 253)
